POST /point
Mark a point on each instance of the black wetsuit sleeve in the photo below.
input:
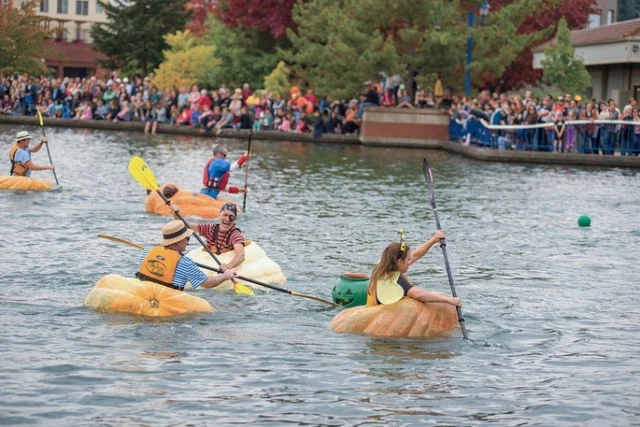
(404, 284)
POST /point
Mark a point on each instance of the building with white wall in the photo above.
(69, 52)
(611, 54)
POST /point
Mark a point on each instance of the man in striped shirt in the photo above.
(164, 264)
(224, 236)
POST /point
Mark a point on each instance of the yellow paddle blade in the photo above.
(239, 288)
(40, 117)
(142, 173)
(388, 289)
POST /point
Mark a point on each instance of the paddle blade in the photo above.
(239, 288)
(40, 117)
(142, 173)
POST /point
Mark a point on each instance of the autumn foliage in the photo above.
(272, 16)
(521, 72)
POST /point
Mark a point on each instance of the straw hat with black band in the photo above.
(173, 232)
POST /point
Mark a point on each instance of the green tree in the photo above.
(186, 61)
(278, 80)
(628, 9)
(21, 39)
(340, 43)
(561, 66)
(246, 56)
(135, 31)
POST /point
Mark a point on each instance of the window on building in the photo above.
(609, 17)
(63, 6)
(82, 7)
(99, 8)
(594, 21)
(44, 6)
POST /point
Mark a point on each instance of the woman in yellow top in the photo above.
(389, 275)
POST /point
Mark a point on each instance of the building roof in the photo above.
(613, 33)
(71, 54)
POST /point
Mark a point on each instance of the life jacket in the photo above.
(227, 241)
(217, 181)
(16, 168)
(160, 266)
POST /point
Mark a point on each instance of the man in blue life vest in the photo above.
(20, 156)
(164, 264)
(216, 173)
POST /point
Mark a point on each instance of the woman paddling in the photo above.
(388, 281)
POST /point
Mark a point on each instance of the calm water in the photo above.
(552, 309)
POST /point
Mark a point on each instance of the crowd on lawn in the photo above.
(560, 134)
(138, 100)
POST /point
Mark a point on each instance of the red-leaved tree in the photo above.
(521, 72)
(273, 16)
(199, 10)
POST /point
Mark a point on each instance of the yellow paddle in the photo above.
(144, 175)
(47, 145)
(246, 279)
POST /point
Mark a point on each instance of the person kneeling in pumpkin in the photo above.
(388, 281)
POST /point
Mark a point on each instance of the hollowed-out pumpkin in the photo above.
(117, 294)
(405, 318)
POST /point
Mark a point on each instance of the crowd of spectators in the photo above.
(558, 113)
(138, 100)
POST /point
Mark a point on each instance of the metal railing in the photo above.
(580, 136)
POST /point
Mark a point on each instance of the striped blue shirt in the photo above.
(186, 271)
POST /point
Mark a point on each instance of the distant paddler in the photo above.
(166, 265)
(216, 173)
(20, 156)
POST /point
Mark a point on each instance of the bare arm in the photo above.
(35, 167)
(238, 259)
(39, 146)
(421, 250)
(428, 296)
(213, 281)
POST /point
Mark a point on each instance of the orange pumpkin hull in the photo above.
(406, 318)
(190, 203)
(117, 294)
(24, 183)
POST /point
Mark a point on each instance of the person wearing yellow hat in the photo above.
(164, 263)
(20, 156)
(388, 282)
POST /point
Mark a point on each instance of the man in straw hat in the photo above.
(224, 236)
(164, 264)
(20, 156)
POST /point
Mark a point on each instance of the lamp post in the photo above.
(483, 11)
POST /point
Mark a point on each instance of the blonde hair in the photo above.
(388, 264)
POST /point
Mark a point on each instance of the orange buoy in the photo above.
(117, 294)
(24, 183)
(406, 318)
(190, 203)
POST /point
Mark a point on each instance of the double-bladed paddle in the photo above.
(144, 175)
(428, 175)
(246, 279)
